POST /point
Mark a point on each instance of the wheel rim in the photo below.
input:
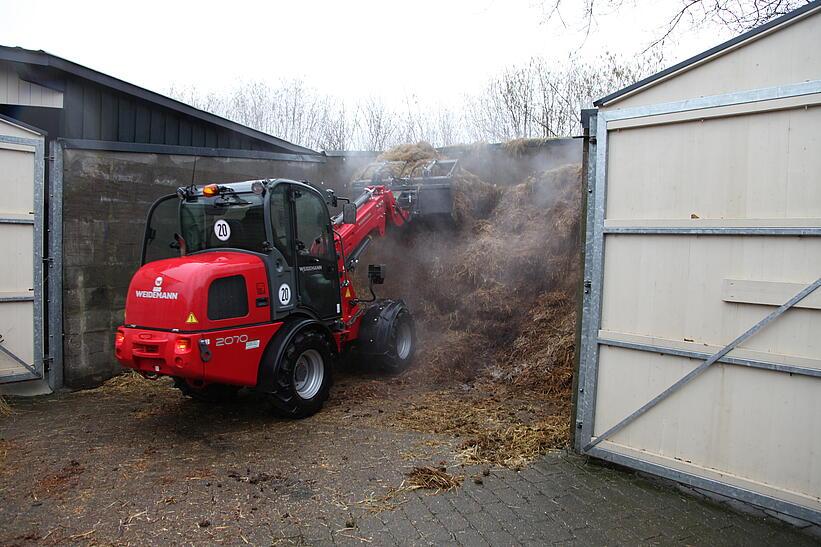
(309, 373)
(404, 340)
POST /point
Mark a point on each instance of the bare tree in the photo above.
(376, 124)
(737, 15)
(540, 100)
(335, 127)
(535, 100)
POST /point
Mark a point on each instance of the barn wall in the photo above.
(15, 91)
(106, 196)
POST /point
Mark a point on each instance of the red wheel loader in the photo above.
(248, 284)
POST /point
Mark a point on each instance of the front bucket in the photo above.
(424, 188)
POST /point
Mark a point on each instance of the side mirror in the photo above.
(349, 213)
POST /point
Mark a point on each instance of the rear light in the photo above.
(210, 190)
(119, 338)
(182, 345)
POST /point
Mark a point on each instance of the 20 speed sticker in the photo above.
(284, 294)
(222, 230)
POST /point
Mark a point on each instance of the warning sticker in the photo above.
(347, 293)
(191, 318)
(222, 230)
(253, 344)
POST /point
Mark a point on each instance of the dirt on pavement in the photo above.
(136, 462)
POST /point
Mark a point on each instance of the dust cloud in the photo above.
(493, 287)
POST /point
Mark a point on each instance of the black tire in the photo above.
(210, 393)
(401, 344)
(295, 395)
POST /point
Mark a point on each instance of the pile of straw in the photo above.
(432, 478)
(494, 296)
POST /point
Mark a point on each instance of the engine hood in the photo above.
(173, 293)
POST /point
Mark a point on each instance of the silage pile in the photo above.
(493, 293)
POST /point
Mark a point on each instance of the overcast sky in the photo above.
(436, 50)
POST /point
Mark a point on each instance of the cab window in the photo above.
(230, 220)
(281, 222)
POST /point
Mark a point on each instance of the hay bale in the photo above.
(402, 161)
(421, 151)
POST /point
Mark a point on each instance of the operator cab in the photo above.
(285, 223)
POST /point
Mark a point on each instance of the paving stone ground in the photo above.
(154, 468)
(564, 499)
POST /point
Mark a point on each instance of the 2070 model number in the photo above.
(228, 340)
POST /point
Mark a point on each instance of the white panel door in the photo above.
(21, 180)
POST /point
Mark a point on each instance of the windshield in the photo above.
(228, 220)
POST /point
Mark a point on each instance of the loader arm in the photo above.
(376, 210)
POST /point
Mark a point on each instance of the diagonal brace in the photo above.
(17, 359)
(806, 291)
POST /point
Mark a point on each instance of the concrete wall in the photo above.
(106, 196)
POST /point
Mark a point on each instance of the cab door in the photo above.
(317, 277)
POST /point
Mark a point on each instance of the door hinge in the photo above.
(587, 286)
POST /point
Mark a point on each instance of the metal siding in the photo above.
(728, 168)
(108, 116)
(172, 130)
(185, 132)
(142, 123)
(197, 135)
(157, 127)
(91, 112)
(646, 275)
(15, 91)
(210, 137)
(754, 434)
(126, 117)
(223, 139)
(786, 55)
(706, 216)
(73, 110)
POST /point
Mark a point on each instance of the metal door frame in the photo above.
(760, 100)
(35, 370)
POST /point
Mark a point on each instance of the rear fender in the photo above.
(272, 358)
